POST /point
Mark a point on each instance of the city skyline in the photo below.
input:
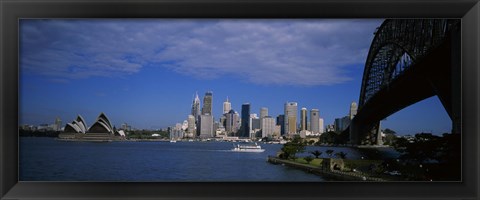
(144, 72)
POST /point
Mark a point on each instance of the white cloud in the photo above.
(286, 52)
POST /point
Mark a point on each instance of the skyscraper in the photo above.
(353, 110)
(321, 126)
(206, 126)
(290, 118)
(227, 106)
(57, 126)
(281, 123)
(314, 121)
(254, 125)
(207, 103)
(268, 126)
(303, 119)
(245, 128)
(231, 123)
(191, 126)
(196, 107)
(263, 113)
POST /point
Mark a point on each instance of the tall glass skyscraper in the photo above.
(227, 106)
(245, 130)
(353, 110)
(263, 113)
(196, 107)
(207, 103)
(303, 119)
(231, 123)
(291, 118)
(315, 121)
(206, 126)
(281, 123)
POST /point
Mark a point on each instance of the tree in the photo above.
(329, 152)
(290, 149)
(389, 131)
(441, 154)
(390, 136)
(308, 159)
(316, 153)
(329, 137)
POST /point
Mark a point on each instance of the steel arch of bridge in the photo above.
(398, 44)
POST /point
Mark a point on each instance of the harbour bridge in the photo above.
(409, 60)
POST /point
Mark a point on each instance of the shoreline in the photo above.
(333, 174)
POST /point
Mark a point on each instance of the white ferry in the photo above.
(248, 148)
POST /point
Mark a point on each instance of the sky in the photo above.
(145, 72)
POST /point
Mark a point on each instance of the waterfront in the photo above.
(50, 159)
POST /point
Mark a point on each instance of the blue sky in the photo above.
(145, 72)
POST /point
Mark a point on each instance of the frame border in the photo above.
(12, 10)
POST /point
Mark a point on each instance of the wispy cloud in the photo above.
(285, 52)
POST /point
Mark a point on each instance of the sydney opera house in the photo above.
(101, 130)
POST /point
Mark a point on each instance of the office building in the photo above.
(263, 113)
(303, 119)
(207, 103)
(206, 126)
(57, 125)
(254, 125)
(191, 126)
(342, 123)
(290, 118)
(321, 127)
(227, 106)
(231, 123)
(254, 122)
(196, 107)
(315, 121)
(353, 110)
(281, 123)
(268, 126)
(245, 128)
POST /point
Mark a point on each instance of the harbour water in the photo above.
(49, 159)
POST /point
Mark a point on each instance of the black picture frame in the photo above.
(11, 11)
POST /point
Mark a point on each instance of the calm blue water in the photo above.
(48, 159)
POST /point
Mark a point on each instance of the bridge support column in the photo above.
(374, 136)
(378, 133)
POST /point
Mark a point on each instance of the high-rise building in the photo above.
(277, 130)
(245, 128)
(303, 119)
(314, 121)
(57, 126)
(191, 126)
(263, 113)
(321, 126)
(281, 123)
(206, 126)
(342, 123)
(268, 126)
(207, 103)
(254, 125)
(227, 106)
(353, 110)
(231, 123)
(291, 118)
(196, 107)
(223, 120)
(185, 125)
